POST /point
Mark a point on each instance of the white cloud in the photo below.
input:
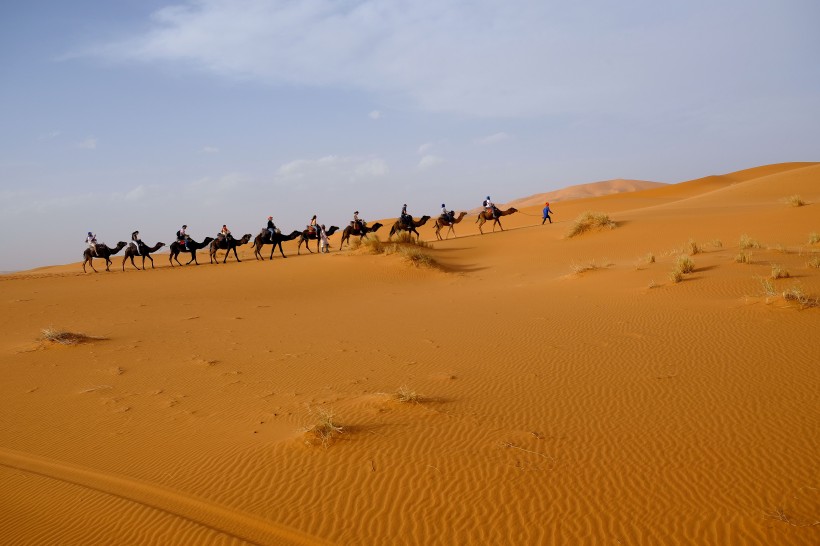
(424, 148)
(51, 135)
(136, 194)
(375, 114)
(333, 168)
(492, 139)
(88, 144)
(429, 161)
(209, 150)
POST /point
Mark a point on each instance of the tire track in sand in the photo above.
(220, 518)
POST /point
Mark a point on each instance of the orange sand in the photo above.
(556, 405)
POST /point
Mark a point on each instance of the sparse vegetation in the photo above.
(406, 238)
(795, 294)
(779, 248)
(744, 257)
(590, 221)
(407, 395)
(768, 287)
(814, 238)
(649, 258)
(62, 337)
(717, 243)
(580, 268)
(676, 276)
(416, 256)
(685, 264)
(778, 272)
(795, 201)
(324, 429)
(748, 242)
(693, 247)
(372, 243)
(814, 262)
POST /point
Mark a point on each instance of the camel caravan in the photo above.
(271, 235)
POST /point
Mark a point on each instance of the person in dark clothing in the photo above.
(547, 212)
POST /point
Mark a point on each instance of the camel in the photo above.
(399, 226)
(264, 238)
(177, 247)
(227, 244)
(348, 231)
(307, 236)
(485, 216)
(103, 251)
(143, 251)
(441, 222)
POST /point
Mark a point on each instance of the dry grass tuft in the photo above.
(65, 338)
(373, 244)
(416, 256)
(649, 258)
(676, 276)
(693, 247)
(768, 287)
(814, 238)
(778, 272)
(814, 262)
(796, 295)
(748, 242)
(744, 258)
(795, 201)
(325, 429)
(406, 395)
(406, 238)
(590, 221)
(685, 264)
(581, 268)
(717, 243)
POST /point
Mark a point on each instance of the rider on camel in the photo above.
(271, 227)
(135, 238)
(313, 225)
(447, 215)
(225, 233)
(182, 237)
(91, 241)
(405, 218)
(357, 224)
(489, 206)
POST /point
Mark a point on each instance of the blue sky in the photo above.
(146, 115)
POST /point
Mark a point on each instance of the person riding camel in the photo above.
(313, 225)
(490, 207)
(135, 238)
(405, 218)
(182, 237)
(91, 241)
(357, 224)
(271, 227)
(447, 215)
(225, 233)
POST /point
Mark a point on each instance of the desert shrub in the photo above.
(814, 238)
(744, 258)
(372, 244)
(748, 242)
(416, 256)
(795, 294)
(406, 238)
(676, 275)
(795, 201)
(325, 427)
(580, 268)
(407, 395)
(62, 337)
(589, 221)
(685, 264)
(768, 287)
(778, 272)
(717, 243)
(693, 247)
(649, 258)
(814, 262)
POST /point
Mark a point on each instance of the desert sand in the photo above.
(558, 390)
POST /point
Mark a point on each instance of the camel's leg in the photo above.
(282, 252)
(235, 255)
(108, 263)
(451, 229)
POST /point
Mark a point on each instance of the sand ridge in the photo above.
(567, 391)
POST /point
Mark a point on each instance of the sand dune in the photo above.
(582, 191)
(563, 390)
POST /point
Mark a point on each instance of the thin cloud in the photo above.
(500, 59)
(375, 115)
(424, 148)
(209, 150)
(492, 139)
(88, 144)
(333, 167)
(429, 161)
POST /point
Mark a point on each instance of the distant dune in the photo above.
(651, 382)
(583, 191)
